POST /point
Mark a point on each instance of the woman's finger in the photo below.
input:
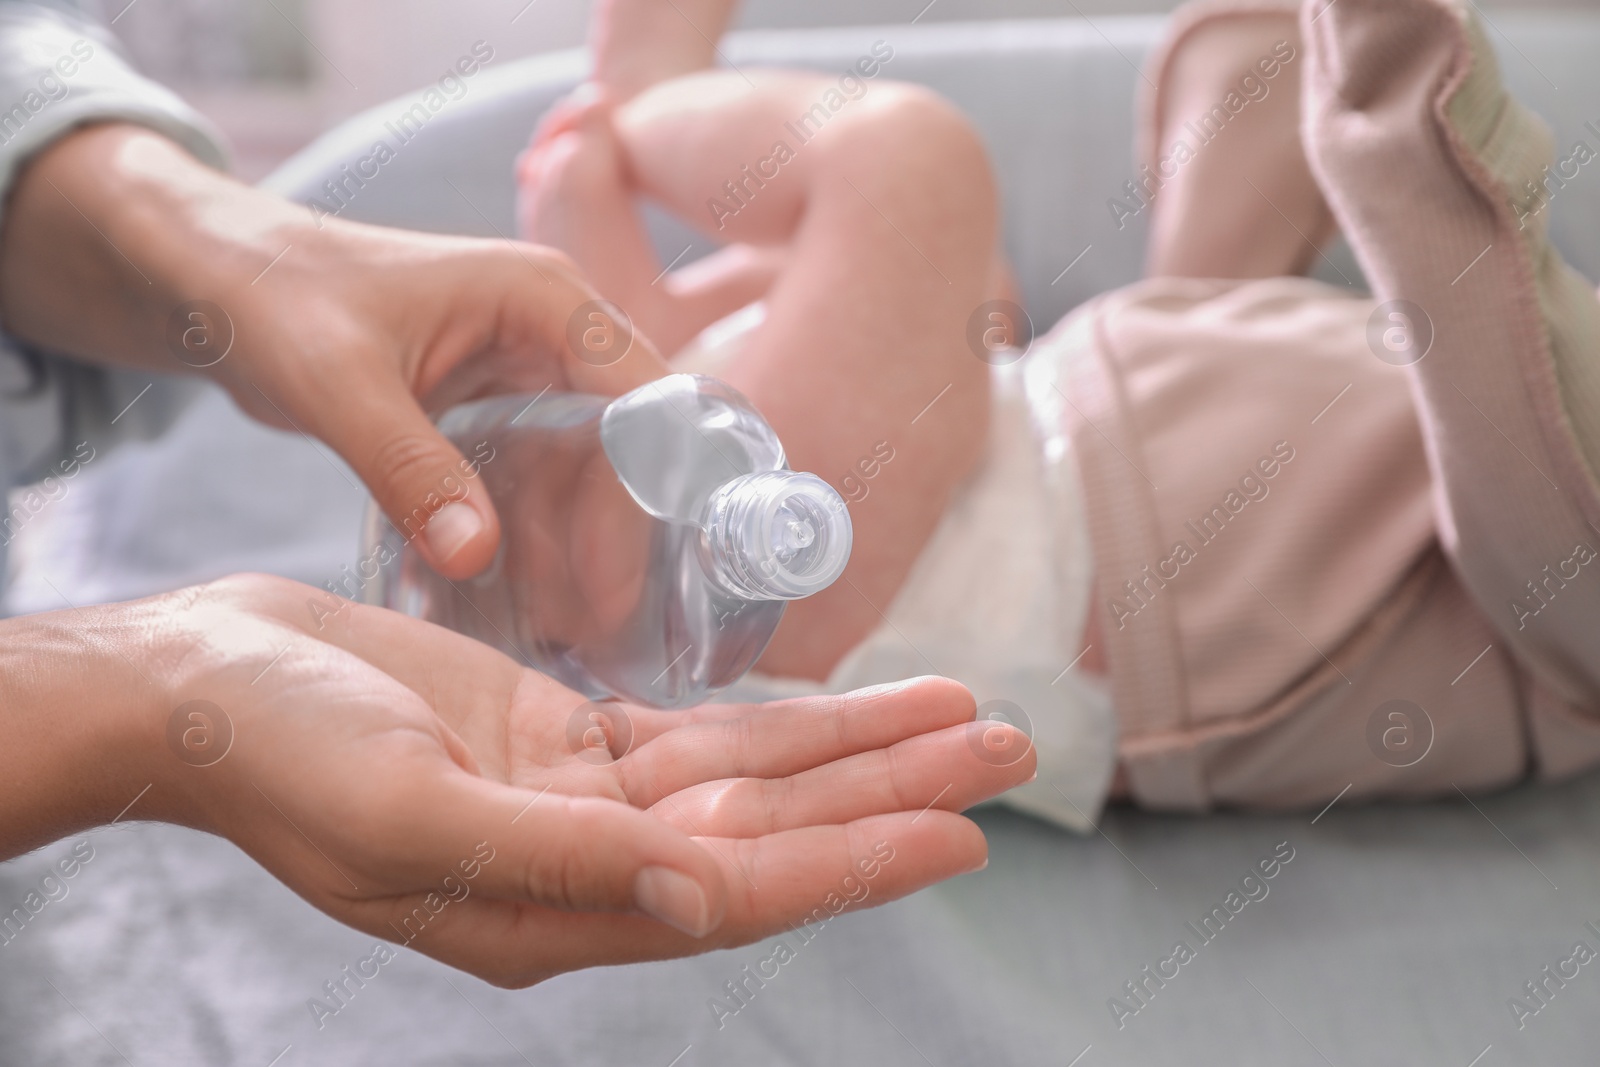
(428, 490)
(788, 884)
(554, 308)
(572, 854)
(782, 739)
(951, 770)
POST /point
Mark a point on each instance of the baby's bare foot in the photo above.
(637, 43)
(573, 194)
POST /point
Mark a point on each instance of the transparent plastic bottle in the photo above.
(649, 543)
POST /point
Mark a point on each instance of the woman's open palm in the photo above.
(423, 787)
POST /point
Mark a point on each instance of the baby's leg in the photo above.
(1430, 165)
(640, 43)
(887, 207)
(884, 200)
(1238, 199)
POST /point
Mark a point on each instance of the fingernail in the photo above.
(449, 531)
(674, 898)
(982, 866)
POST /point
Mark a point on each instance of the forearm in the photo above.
(113, 227)
(82, 724)
(340, 330)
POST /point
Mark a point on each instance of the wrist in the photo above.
(203, 233)
(113, 227)
(84, 733)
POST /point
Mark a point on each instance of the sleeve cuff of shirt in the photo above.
(59, 71)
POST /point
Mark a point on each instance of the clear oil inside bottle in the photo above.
(649, 544)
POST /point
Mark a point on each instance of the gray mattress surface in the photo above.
(1394, 936)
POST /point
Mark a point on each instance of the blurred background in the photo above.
(275, 73)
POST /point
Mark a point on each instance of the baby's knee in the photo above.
(920, 139)
(915, 111)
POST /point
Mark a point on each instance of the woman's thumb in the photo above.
(432, 493)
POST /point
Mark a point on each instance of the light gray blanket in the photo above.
(1392, 937)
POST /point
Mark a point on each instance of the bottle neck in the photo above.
(776, 535)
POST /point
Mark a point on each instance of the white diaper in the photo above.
(997, 600)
